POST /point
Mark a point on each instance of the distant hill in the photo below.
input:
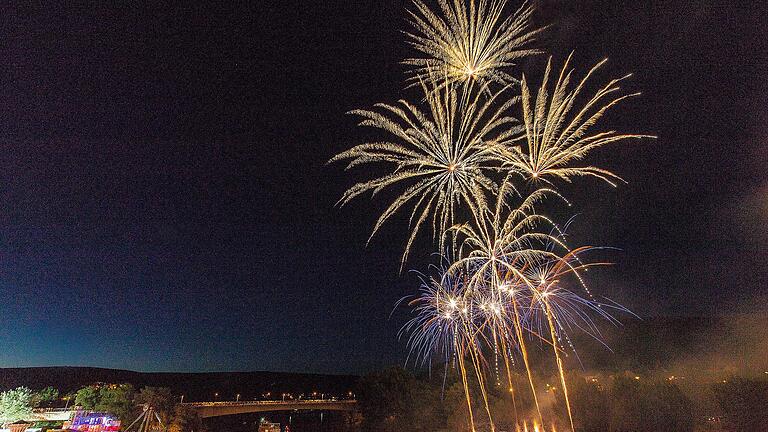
(644, 344)
(733, 344)
(194, 386)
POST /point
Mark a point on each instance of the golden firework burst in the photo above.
(442, 157)
(469, 41)
(559, 131)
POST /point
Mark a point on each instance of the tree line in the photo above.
(395, 400)
(121, 400)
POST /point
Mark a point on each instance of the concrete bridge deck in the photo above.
(52, 414)
(216, 409)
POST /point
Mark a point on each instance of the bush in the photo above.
(16, 405)
(743, 403)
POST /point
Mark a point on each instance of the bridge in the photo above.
(52, 414)
(216, 409)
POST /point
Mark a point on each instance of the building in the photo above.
(86, 421)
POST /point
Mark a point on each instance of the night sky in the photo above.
(165, 203)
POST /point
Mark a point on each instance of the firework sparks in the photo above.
(439, 309)
(559, 132)
(444, 323)
(500, 236)
(469, 42)
(509, 287)
(442, 157)
(509, 281)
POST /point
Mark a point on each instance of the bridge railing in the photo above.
(272, 402)
(45, 410)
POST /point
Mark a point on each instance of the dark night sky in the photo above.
(164, 202)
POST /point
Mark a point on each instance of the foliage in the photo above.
(185, 419)
(113, 398)
(627, 404)
(45, 396)
(87, 397)
(591, 405)
(70, 398)
(160, 399)
(743, 402)
(16, 405)
(394, 400)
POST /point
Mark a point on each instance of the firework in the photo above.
(559, 131)
(562, 308)
(495, 251)
(552, 298)
(511, 276)
(499, 236)
(443, 324)
(528, 298)
(507, 285)
(439, 308)
(468, 42)
(441, 159)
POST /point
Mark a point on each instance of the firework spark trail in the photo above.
(446, 310)
(509, 378)
(465, 383)
(521, 341)
(493, 280)
(437, 326)
(560, 370)
(548, 292)
(567, 308)
(502, 285)
(433, 329)
(474, 354)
